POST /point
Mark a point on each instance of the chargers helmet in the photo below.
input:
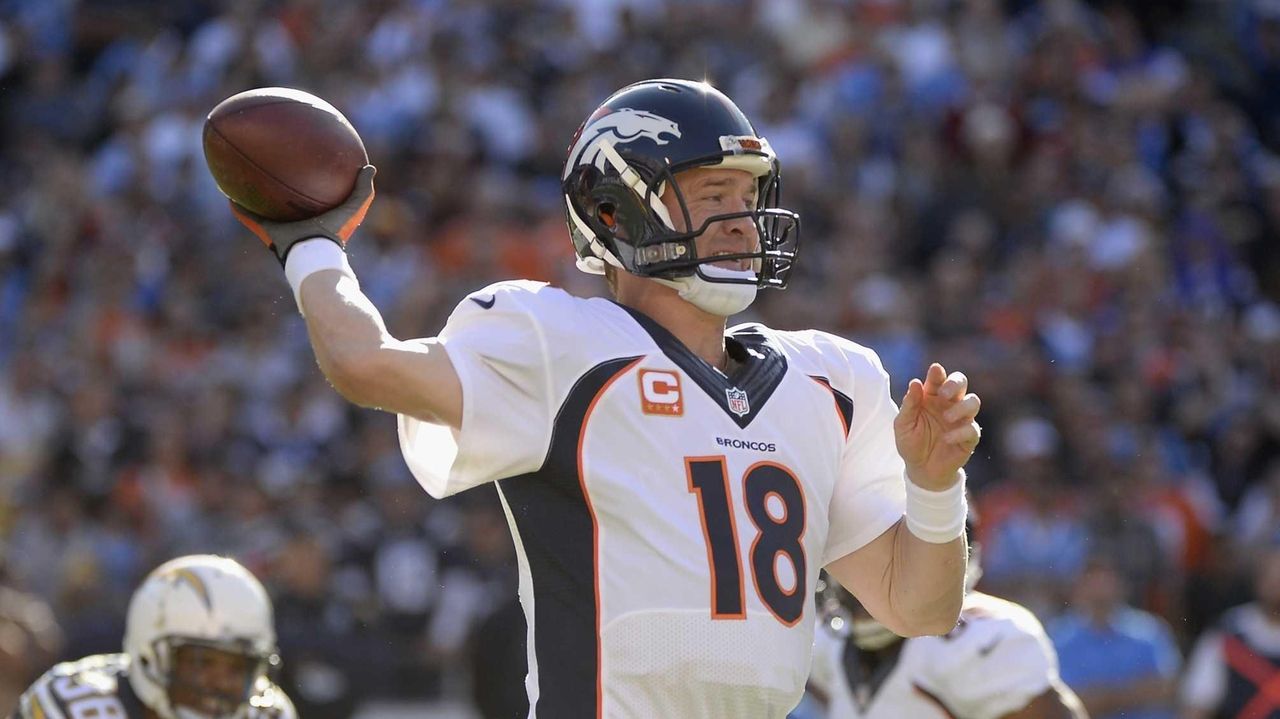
(622, 159)
(202, 600)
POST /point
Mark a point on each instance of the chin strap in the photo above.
(722, 299)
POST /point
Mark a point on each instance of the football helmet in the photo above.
(197, 600)
(625, 156)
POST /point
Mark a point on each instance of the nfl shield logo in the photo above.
(738, 403)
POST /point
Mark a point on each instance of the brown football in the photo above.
(284, 154)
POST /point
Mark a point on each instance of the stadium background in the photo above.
(1076, 203)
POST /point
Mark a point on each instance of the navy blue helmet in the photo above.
(624, 157)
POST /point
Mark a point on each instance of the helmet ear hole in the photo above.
(607, 215)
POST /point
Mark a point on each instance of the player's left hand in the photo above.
(935, 429)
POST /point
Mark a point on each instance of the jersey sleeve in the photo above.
(497, 340)
(870, 493)
(998, 665)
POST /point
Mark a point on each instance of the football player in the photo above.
(672, 487)
(199, 643)
(996, 664)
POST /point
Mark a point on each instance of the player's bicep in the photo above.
(419, 380)
(366, 364)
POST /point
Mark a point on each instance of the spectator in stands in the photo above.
(1097, 190)
(1235, 667)
(1121, 661)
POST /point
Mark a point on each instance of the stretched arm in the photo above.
(366, 364)
(356, 353)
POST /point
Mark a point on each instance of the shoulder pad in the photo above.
(73, 688)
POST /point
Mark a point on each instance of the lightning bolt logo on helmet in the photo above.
(180, 575)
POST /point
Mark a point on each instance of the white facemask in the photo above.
(722, 299)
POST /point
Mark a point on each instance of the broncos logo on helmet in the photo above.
(620, 126)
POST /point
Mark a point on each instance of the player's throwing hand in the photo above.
(935, 429)
(337, 224)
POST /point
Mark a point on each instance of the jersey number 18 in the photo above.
(709, 481)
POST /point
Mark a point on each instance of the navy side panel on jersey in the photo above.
(844, 403)
(557, 529)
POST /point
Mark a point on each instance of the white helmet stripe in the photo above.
(635, 182)
(597, 247)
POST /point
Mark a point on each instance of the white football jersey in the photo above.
(97, 687)
(669, 521)
(994, 662)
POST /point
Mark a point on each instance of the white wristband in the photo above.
(310, 256)
(937, 517)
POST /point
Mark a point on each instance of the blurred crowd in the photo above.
(1077, 203)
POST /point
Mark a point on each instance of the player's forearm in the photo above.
(366, 364)
(930, 556)
(346, 333)
(926, 583)
(911, 577)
